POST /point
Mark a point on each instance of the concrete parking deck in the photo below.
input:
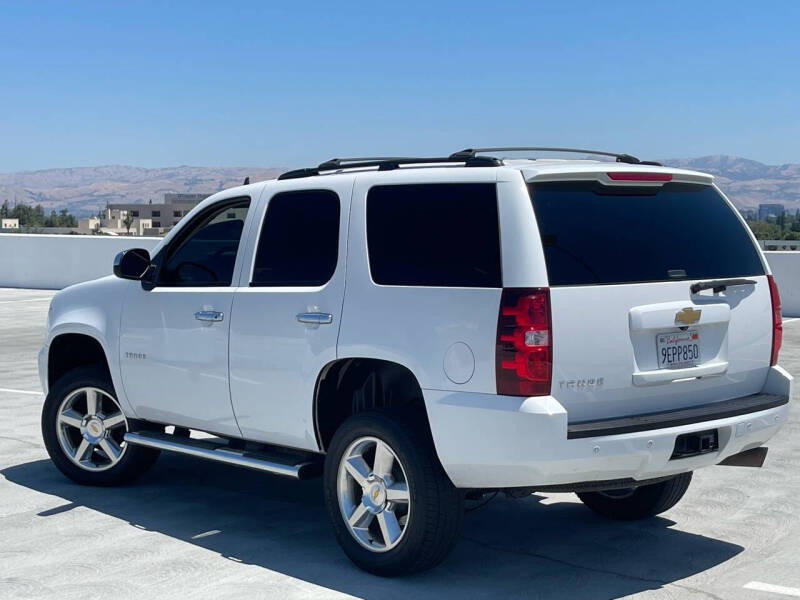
(193, 529)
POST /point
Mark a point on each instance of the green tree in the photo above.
(65, 219)
(38, 215)
(128, 221)
(764, 230)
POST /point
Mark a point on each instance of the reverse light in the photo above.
(523, 351)
(636, 176)
(777, 323)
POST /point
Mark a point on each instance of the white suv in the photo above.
(424, 330)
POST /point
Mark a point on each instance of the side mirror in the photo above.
(132, 264)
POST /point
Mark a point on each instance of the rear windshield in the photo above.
(594, 234)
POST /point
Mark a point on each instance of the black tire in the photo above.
(135, 459)
(437, 507)
(639, 503)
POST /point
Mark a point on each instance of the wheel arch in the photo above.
(348, 386)
(68, 350)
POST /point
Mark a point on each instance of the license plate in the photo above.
(678, 350)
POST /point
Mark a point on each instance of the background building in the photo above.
(9, 223)
(142, 219)
(769, 210)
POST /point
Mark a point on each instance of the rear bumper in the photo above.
(490, 441)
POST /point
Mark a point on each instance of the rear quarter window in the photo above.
(444, 235)
(594, 234)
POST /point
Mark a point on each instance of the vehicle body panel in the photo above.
(93, 309)
(274, 359)
(415, 326)
(486, 440)
(175, 367)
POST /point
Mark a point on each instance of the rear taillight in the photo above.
(777, 325)
(524, 351)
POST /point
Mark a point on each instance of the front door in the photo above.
(287, 311)
(174, 336)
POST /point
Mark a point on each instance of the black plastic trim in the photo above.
(675, 418)
(620, 157)
(599, 486)
(385, 163)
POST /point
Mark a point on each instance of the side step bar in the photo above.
(275, 463)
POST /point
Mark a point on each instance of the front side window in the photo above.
(206, 254)
(299, 243)
(443, 235)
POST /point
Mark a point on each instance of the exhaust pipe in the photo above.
(749, 458)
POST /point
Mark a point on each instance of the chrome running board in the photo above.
(276, 463)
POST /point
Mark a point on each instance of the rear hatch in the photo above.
(630, 336)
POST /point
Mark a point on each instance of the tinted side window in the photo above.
(434, 235)
(299, 243)
(596, 234)
(205, 255)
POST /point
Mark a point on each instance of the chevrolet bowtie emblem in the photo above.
(688, 316)
(375, 493)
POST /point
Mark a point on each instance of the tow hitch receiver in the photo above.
(694, 444)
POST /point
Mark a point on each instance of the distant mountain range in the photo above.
(748, 183)
(84, 190)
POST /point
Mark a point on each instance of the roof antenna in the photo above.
(246, 181)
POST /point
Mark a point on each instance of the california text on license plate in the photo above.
(676, 350)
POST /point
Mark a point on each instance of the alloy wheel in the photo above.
(91, 428)
(373, 494)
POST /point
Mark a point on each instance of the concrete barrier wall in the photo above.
(786, 269)
(56, 261)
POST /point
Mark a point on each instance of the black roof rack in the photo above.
(622, 158)
(469, 157)
(388, 163)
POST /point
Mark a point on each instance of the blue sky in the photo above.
(290, 83)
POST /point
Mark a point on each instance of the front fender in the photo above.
(92, 309)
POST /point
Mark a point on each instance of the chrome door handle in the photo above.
(315, 318)
(208, 315)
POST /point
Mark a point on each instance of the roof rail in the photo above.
(622, 158)
(387, 163)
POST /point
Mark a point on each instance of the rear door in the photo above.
(287, 310)
(629, 335)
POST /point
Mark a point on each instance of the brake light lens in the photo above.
(523, 352)
(777, 324)
(634, 176)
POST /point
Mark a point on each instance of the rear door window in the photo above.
(443, 235)
(299, 243)
(595, 234)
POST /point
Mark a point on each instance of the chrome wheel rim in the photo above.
(91, 429)
(373, 494)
